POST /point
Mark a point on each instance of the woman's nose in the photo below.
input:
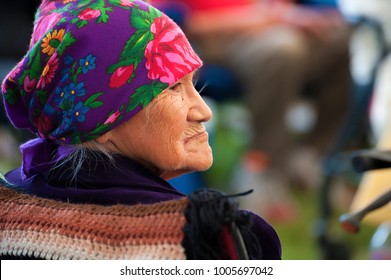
(199, 110)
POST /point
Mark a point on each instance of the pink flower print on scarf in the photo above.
(29, 84)
(113, 117)
(89, 14)
(169, 55)
(47, 6)
(121, 76)
(44, 24)
(48, 72)
(126, 3)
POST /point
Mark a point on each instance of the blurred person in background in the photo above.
(282, 51)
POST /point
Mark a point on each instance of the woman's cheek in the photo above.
(168, 152)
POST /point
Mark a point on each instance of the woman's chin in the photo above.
(204, 164)
(199, 165)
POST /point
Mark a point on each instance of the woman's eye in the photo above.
(175, 87)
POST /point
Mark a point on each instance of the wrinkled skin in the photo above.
(168, 135)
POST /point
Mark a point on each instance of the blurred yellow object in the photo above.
(373, 184)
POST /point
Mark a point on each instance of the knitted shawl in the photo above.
(205, 225)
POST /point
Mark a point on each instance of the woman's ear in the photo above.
(104, 139)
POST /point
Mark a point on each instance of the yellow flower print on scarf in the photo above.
(52, 41)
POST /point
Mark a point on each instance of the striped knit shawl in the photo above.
(32, 227)
(204, 225)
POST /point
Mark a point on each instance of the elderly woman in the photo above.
(107, 86)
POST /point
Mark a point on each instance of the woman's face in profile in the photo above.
(169, 134)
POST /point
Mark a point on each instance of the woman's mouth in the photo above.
(198, 136)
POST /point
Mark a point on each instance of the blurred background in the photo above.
(295, 87)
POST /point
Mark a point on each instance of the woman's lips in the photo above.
(197, 136)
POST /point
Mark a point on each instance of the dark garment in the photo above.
(123, 181)
(99, 182)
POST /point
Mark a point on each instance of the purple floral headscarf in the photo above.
(90, 66)
(93, 64)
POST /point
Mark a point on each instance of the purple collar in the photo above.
(98, 182)
(40, 155)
